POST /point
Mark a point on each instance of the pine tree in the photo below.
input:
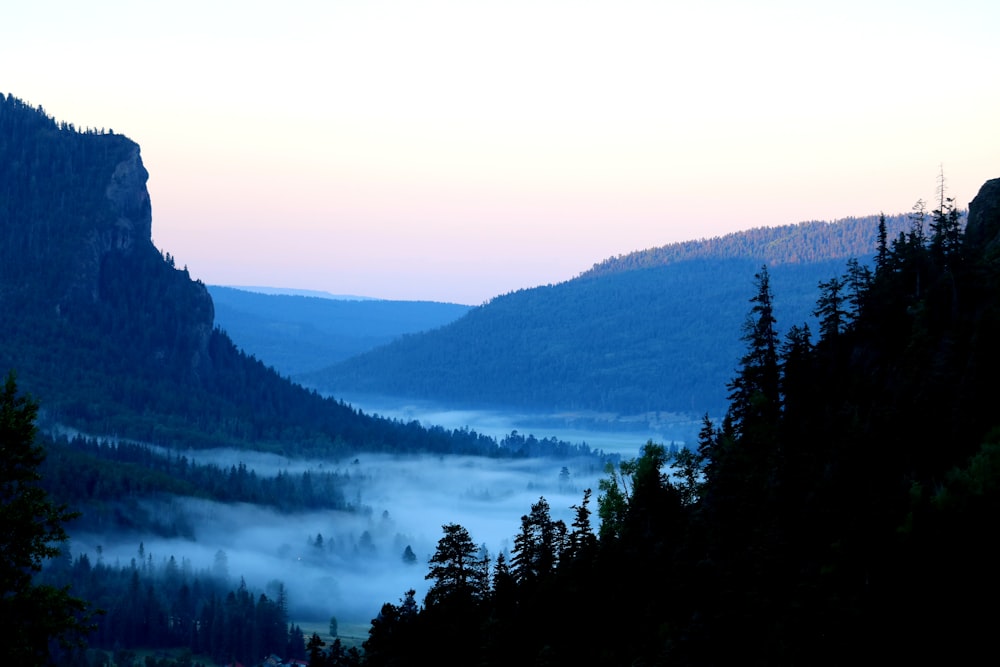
(31, 527)
(882, 246)
(538, 545)
(582, 540)
(830, 310)
(946, 228)
(754, 395)
(454, 568)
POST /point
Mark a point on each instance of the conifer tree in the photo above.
(882, 245)
(455, 569)
(538, 545)
(754, 397)
(31, 528)
(830, 310)
(582, 540)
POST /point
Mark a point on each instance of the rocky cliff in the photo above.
(76, 225)
(983, 228)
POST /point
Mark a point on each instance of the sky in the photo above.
(458, 150)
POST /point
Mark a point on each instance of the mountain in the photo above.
(653, 331)
(843, 507)
(291, 291)
(299, 333)
(112, 338)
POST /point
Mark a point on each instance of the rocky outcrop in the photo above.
(982, 231)
(129, 199)
(76, 226)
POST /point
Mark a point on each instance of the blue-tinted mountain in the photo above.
(112, 338)
(301, 333)
(651, 331)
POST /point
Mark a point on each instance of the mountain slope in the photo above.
(653, 331)
(296, 334)
(111, 338)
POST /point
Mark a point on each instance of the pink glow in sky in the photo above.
(456, 150)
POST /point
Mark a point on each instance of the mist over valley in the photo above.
(358, 563)
(741, 469)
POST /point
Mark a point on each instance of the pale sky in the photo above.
(457, 150)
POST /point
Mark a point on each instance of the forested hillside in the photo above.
(643, 333)
(802, 243)
(297, 334)
(112, 338)
(842, 509)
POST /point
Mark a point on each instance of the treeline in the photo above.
(645, 341)
(150, 604)
(108, 483)
(802, 243)
(843, 506)
(298, 334)
(649, 332)
(111, 337)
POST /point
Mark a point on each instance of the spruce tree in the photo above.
(31, 528)
(454, 568)
(754, 396)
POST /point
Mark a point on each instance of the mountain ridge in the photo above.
(112, 338)
(652, 331)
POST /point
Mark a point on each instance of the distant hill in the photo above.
(656, 330)
(291, 291)
(802, 243)
(298, 334)
(113, 339)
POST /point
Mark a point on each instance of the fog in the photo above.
(609, 432)
(402, 500)
(359, 564)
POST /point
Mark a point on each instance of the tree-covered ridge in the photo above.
(650, 340)
(55, 184)
(297, 334)
(108, 483)
(805, 242)
(843, 506)
(156, 602)
(643, 333)
(112, 338)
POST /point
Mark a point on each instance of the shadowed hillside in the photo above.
(112, 338)
(655, 330)
(297, 334)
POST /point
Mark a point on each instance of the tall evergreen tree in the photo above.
(455, 568)
(881, 245)
(31, 529)
(538, 545)
(754, 395)
(830, 309)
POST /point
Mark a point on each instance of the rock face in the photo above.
(76, 243)
(125, 224)
(983, 227)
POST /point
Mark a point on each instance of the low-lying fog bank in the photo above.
(612, 433)
(348, 564)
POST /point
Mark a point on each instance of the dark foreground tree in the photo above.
(31, 527)
(455, 569)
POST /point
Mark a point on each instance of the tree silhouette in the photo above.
(31, 527)
(454, 568)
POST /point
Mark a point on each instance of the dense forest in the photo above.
(110, 482)
(644, 333)
(158, 603)
(296, 334)
(842, 507)
(802, 243)
(112, 338)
